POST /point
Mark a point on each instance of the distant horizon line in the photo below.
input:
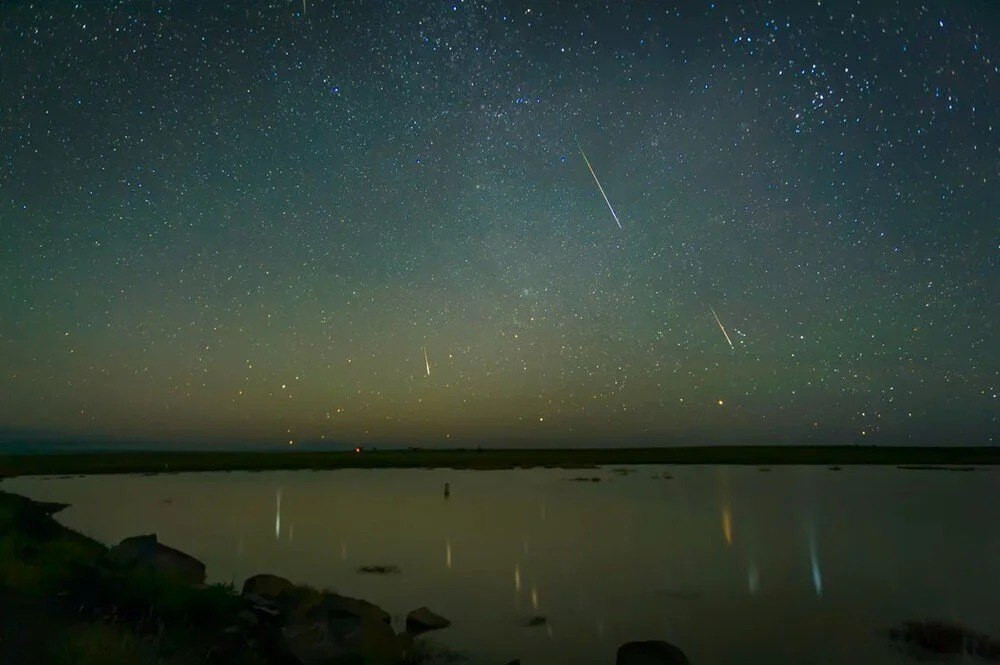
(111, 446)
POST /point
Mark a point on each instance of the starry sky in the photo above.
(247, 222)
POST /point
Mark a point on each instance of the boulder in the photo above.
(651, 652)
(422, 620)
(379, 570)
(145, 552)
(308, 626)
(266, 586)
(311, 643)
(940, 637)
(341, 629)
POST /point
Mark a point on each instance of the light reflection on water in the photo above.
(809, 565)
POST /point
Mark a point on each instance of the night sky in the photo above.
(248, 222)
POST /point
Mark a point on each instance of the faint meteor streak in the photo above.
(613, 213)
(722, 328)
(427, 363)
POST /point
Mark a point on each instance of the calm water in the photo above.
(734, 565)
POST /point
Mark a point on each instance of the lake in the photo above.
(732, 564)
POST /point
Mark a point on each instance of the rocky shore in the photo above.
(70, 599)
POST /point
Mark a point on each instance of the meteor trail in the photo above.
(613, 213)
(722, 328)
(427, 363)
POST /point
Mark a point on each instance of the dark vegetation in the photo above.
(63, 602)
(68, 599)
(163, 461)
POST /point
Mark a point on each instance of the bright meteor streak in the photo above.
(427, 363)
(722, 328)
(613, 213)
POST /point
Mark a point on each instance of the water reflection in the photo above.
(727, 510)
(727, 524)
(817, 574)
(629, 558)
(277, 514)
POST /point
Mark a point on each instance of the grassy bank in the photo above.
(162, 461)
(63, 603)
(65, 598)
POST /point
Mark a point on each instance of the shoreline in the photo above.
(77, 600)
(61, 463)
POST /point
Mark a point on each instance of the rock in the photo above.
(266, 586)
(340, 605)
(311, 627)
(652, 652)
(296, 601)
(311, 643)
(422, 620)
(341, 629)
(248, 618)
(147, 553)
(939, 637)
(379, 570)
(262, 609)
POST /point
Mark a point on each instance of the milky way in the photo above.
(243, 221)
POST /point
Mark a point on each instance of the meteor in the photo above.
(613, 213)
(722, 328)
(427, 363)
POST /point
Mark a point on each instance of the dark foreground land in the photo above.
(172, 462)
(68, 599)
